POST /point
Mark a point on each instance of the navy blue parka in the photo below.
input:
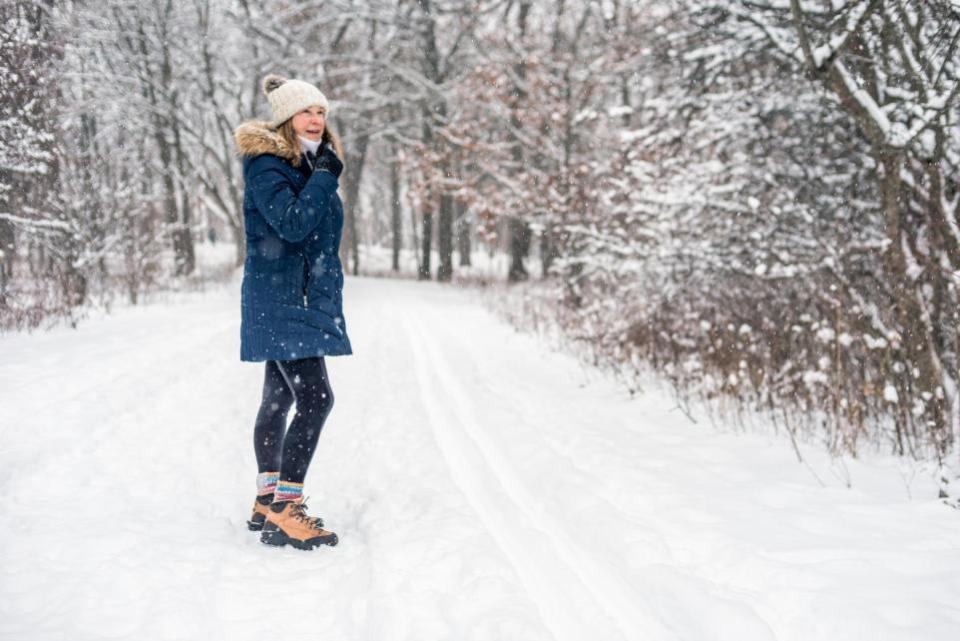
(292, 292)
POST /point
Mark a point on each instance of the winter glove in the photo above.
(327, 161)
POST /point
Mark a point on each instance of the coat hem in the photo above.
(260, 358)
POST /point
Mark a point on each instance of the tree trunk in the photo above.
(519, 229)
(445, 230)
(909, 310)
(396, 227)
(414, 232)
(7, 253)
(549, 249)
(186, 257)
(355, 161)
(435, 114)
(427, 237)
(181, 240)
(463, 232)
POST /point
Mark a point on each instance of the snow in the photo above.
(826, 334)
(483, 487)
(812, 378)
(874, 342)
(866, 102)
(854, 18)
(890, 394)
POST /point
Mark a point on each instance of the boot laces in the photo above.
(298, 511)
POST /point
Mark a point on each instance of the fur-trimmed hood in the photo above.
(256, 137)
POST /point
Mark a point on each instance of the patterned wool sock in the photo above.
(288, 491)
(267, 482)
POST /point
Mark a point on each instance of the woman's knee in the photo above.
(329, 398)
(317, 397)
(275, 389)
(308, 378)
(277, 395)
(278, 398)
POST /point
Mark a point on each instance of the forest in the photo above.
(757, 199)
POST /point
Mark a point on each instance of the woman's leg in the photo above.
(271, 420)
(308, 379)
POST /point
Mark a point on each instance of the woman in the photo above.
(291, 297)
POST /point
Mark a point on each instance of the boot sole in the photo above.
(257, 526)
(272, 535)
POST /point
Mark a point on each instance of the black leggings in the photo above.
(304, 381)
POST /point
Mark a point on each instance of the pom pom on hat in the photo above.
(287, 97)
(271, 82)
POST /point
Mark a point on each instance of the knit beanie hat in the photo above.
(288, 97)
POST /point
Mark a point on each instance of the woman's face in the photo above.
(310, 122)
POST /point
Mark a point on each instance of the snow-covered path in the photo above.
(483, 487)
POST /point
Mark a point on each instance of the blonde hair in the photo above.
(289, 135)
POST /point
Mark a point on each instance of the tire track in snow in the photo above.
(578, 596)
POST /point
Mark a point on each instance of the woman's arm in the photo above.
(293, 216)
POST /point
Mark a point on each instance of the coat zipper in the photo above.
(306, 275)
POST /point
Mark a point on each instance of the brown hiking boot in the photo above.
(287, 522)
(259, 512)
(259, 516)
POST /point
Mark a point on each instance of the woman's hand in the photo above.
(327, 161)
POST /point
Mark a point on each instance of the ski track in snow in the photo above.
(575, 594)
(482, 489)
